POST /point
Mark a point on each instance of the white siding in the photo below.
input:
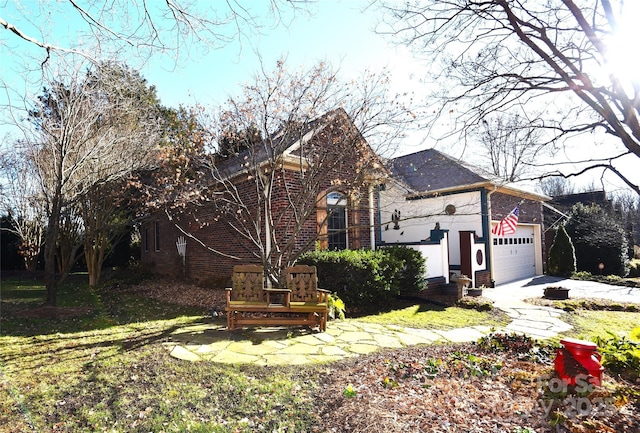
(419, 217)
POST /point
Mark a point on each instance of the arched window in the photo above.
(337, 221)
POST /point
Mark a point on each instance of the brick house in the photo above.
(446, 208)
(311, 184)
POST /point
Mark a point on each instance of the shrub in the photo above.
(621, 355)
(582, 275)
(562, 258)
(336, 307)
(598, 238)
(410, 279)
(363, 279)
(634, 268)
(478, 304)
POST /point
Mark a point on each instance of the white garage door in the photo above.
(514, 256)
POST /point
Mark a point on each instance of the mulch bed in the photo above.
(586, 303)
(181, 293)
(461, 388)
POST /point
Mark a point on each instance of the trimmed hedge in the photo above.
(367, 281)
(410, 279)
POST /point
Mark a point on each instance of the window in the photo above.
(336, 221)
(156, 237)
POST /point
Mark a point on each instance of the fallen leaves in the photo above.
(182, 293)
(437, 389)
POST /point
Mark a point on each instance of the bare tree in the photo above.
(22, 202)
(104, 222)
(121, 26)
(509, 144)
(49, 33)
(556, 56)
(87, 132)
(556, 186)
(628, 204)
(278, 147)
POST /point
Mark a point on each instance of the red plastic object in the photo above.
(579, 357)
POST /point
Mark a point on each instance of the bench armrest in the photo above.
(323, 295)
(228, 290)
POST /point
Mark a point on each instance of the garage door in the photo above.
(514, 256)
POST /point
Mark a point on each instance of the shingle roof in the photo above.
(431, 170)
(288, 142)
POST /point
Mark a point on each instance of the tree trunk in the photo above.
(31, 263)
(94, 265)
(94, 251)
(51, 281)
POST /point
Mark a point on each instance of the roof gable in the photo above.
(287, 145)
(431, 170)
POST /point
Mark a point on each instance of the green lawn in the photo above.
(434, 316)
(106, 370)
(591, 324)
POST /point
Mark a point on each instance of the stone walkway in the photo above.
(281, 346)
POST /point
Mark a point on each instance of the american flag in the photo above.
(508, 225)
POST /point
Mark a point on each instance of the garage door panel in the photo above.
(514, 256)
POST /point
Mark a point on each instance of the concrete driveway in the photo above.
(534, 287)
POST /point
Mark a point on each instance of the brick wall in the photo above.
(502, 204)
(483, 278)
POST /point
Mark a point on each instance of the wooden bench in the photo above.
(301, 303)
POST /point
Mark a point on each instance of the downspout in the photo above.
(372, 228)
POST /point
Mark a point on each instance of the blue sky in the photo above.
(337, 31)
(340, 32)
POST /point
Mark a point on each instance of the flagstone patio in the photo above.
(287, 346)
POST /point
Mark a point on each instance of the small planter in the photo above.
(556, 293)
(474, 292)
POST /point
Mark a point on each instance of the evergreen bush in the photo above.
(562, 258)
(599, 238)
